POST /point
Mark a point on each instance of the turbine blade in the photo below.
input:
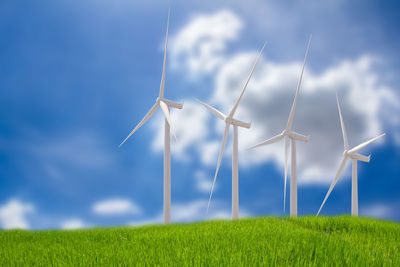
(216, 112)
(161, 95)
(287, 147)
(146, 117)
(345, 141)
(361, 146)
(291, 115)
(165, 110)
(339, 172)
(274, 139)
(247, 82)
(224, 139)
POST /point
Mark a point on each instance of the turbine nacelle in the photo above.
(169, 103)
(357, 156)
(237, 122)
(297, 136)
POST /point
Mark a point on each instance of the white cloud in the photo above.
(116, 206)
(203, 183)
(209, 152)
(267, 104)
(367, 105)
(377, 211)
(269, 97)
(13, 214)
(74, 223)
(199, 46)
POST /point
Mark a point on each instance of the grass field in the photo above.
(340, 241)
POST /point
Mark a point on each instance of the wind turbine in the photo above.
(165, 104)
(354, 156)
(229, 120)
(287, 134)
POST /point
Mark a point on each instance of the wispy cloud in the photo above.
(73, 223)
(377, 211)
(203, 182)
(71, 152)
(116, 206)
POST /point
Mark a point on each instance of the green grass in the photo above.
(310, 241)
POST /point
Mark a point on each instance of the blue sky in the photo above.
(76, 77)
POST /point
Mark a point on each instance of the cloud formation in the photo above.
(14, 213)
(73, 223)
(365, 102)
(199, 46)
(269, 98)
(203, 182)
(116, 206)
(377, 210)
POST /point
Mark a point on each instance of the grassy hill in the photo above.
(341, 241)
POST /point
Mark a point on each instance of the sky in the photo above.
(76, 77)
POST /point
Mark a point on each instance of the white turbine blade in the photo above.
(216, 112)
(274, 139)
(165, 60)
(224, 139)
(361, 146)
(146, 117)
(339, 172)
(247, 82)
(165, 109)
(291, 115)
(345, 141)
(287, 146)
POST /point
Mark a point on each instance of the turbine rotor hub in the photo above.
(228, 120)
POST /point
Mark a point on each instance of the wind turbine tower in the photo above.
(229, 120)
(354, 156)
(165, 105)
(287, 134)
